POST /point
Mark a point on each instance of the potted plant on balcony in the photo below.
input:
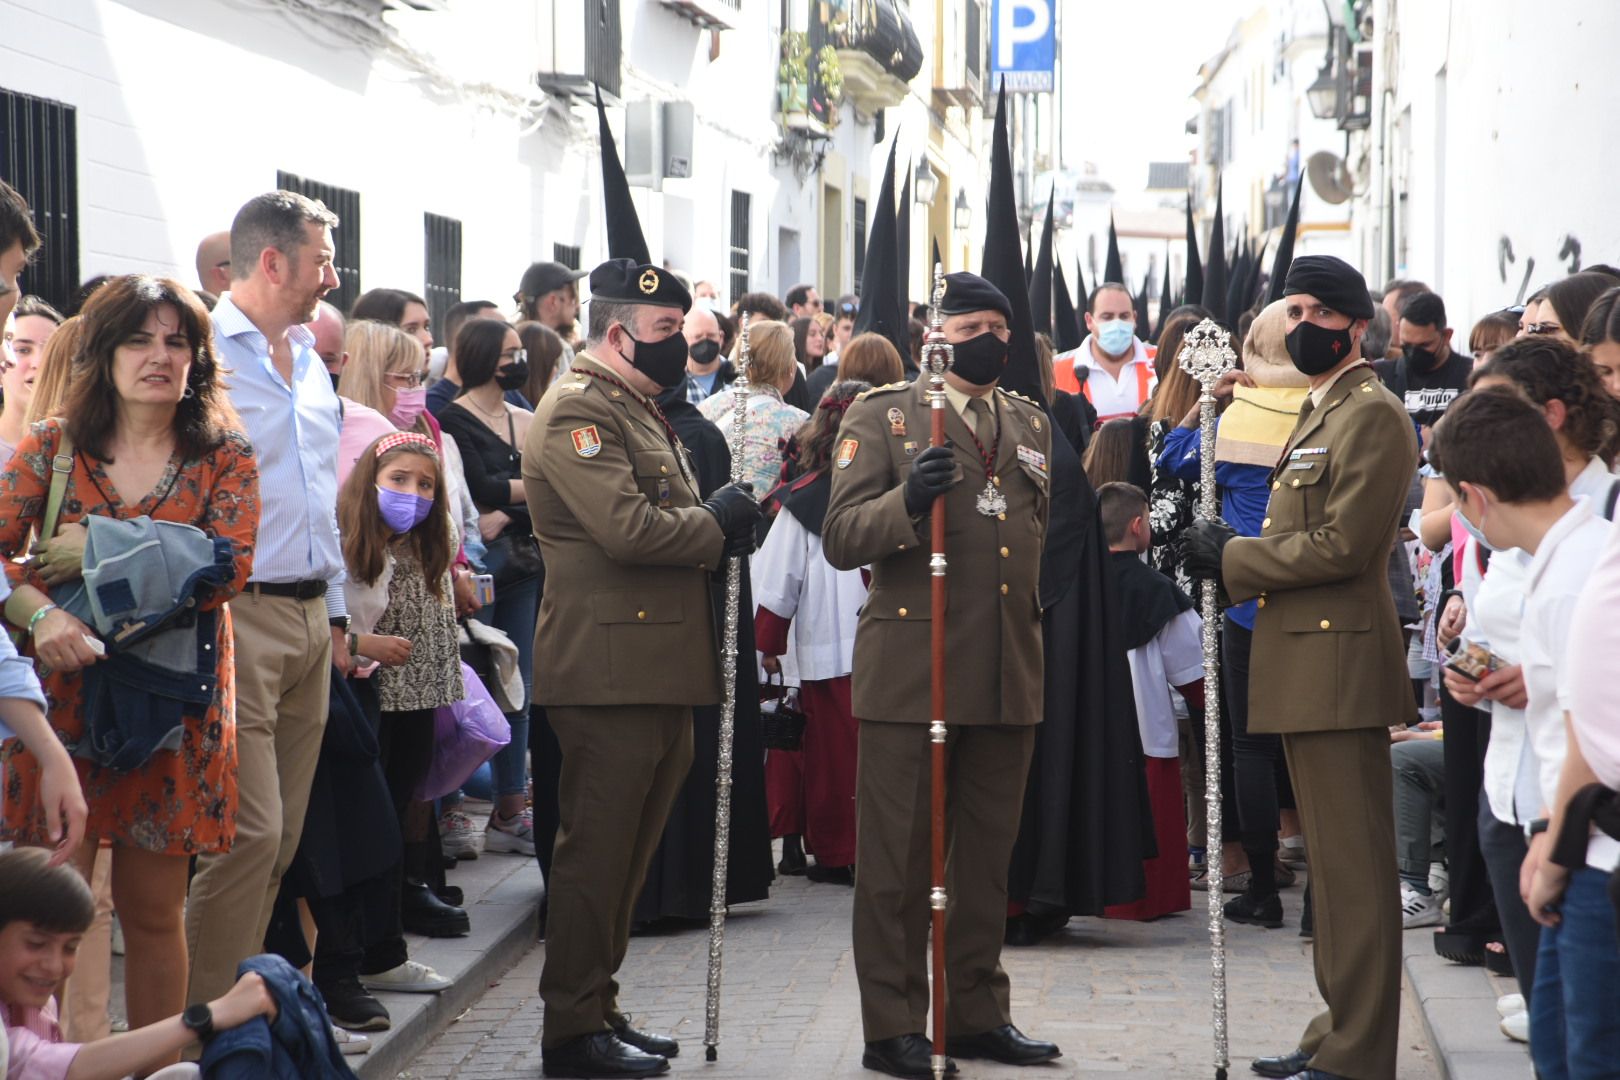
(793, 78)
(830, 76)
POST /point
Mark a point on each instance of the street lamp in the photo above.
(963, 211)
(1323, 94)
(924, 184)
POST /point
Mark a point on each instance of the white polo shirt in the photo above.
(1559, 573)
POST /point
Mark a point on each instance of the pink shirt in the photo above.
(37, 1049)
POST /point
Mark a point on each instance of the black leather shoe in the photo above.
(1282, 1066)
(1255, 910)
(646, 1041)
(1005, 1044)
(601, 1054)
(423, 913)
(830, 875)
(903, 1055)
(793, 860)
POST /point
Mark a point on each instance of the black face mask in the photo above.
(703, 352)
(337, 376)
(513, 375)
(1317, 350)
(979, 360)
(1421, 358)
(664, 362)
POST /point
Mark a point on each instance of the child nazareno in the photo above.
(1164, 636)
(44, 910)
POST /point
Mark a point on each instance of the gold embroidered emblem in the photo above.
(649, 281)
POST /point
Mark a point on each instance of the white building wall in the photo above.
(186, 108)
(1499, 118)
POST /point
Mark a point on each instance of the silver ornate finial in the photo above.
(1206, 353)
(937, 353)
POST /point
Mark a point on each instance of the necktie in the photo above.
(983, 425)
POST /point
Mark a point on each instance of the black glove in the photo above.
(738, 514)
(1203, 543)
(932, 475)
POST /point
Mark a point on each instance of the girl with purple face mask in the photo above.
(399, 545)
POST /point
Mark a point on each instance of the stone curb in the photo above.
(503, 901)
(1458, 1005)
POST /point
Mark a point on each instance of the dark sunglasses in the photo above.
(1543, 328)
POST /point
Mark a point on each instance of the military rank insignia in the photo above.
(587, 443)
(846, 452)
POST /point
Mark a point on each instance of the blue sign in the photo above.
(1023, 45)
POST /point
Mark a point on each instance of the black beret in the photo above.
(966, 292)
(1333, 281)
(626, 281)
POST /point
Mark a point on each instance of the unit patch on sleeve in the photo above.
(846, 452)
(587, 443)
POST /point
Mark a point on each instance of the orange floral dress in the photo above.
(181, 802)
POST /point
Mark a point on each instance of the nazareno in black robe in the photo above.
(681, 877)
(1087, 825)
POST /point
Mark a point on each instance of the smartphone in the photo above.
(484, 589)
(1472, 660)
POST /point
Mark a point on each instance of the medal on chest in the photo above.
(991, 502)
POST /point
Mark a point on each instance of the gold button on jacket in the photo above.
(993, 645)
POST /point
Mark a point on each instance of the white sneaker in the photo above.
(1419, 910)
(515, 836)
(1508, 1004)
(1440, 881)
(350, 1042)
(1517, 1026)
(408, 978)
(458, 835)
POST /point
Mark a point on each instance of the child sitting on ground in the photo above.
(1164, 636)
(44, 910)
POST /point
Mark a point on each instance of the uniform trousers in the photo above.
(1342, 782)
(985, 776)
(283, 675)
(622, 767)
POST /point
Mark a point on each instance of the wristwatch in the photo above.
(339, 622)
(1537, 827)
(199, 1019)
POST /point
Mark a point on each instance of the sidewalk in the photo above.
(1459, 1015)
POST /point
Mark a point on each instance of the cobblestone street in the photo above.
(1126, 999)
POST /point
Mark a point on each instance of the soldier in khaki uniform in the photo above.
(625, 644)
(1329, 667)
(994, 484)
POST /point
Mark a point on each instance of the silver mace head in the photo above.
(1206, 354)
(937, 353)
(742, 351)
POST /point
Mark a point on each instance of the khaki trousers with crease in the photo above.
(283, 677)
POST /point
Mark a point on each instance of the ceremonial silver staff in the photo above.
(728, 715)
(1206, 355)
(938, 355)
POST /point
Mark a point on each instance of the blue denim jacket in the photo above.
(142, 585)
(297, 1046)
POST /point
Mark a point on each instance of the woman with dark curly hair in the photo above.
(152, 436)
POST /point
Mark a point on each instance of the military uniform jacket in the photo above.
(993, 622)
(1328, 652)
(626, 617)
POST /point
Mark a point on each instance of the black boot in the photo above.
(424, 913)
(793, 862)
